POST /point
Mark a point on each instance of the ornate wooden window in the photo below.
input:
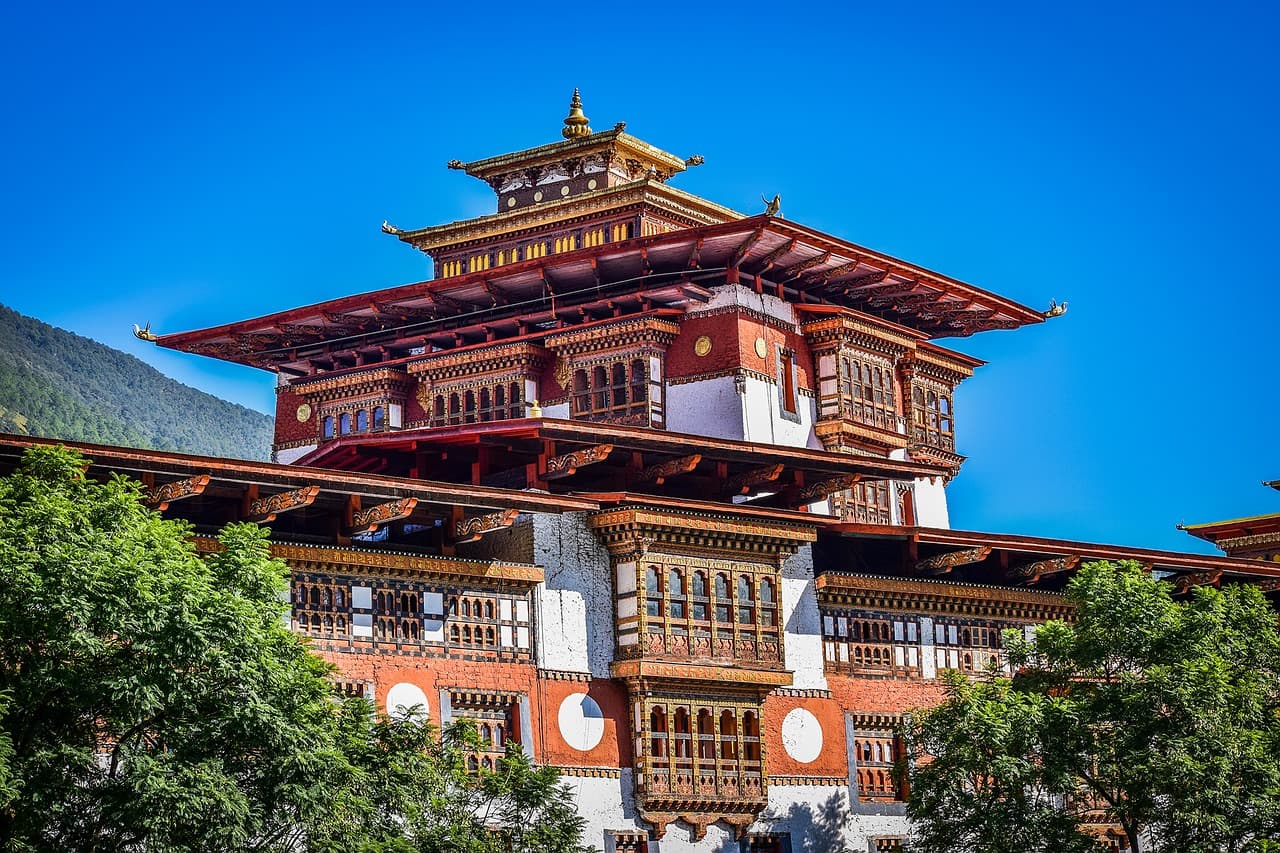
(894, 844)
(490, 402)
(773, 842)
(326, 430)
(700, 749)
(608, 391)
(968, 645)
(379, 417)
(630, 842)
(867, 391)
(495, 716)
(344, 423)
(702, 608)
(875, 753)
(788, 392)
(869, 643)
(932, 423)
(865, 503)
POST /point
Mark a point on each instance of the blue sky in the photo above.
(193, 165)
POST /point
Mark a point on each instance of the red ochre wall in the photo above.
(288, 428)
(883, 695)
(733, 347)
(545, 695)
(833, 760)
(614, 749)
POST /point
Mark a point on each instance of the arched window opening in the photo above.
(600, 389)
(723, 603)
(658, 733)
(706, 734)
(728, 736)
(699, 605)
(639, 393)
(315, 596)
(675, 594)
(682, 734)
(362, 420)
(619, 384)
(327, 430)
(344, 423)
(653, 592)
(751, 736)
(746, 609)
(455, 409)
(379, 417)
(469, 407)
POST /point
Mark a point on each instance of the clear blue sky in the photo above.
(192, 165)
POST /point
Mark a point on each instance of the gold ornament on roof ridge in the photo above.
(576, 125)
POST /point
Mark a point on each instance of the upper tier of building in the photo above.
(598, 293)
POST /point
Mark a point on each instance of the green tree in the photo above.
(1156, 715)
(152, 699)
(418, 792)
(155, 699)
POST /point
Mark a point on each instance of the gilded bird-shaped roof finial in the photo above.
(576, 125)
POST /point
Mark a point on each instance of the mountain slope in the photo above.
(58, 384)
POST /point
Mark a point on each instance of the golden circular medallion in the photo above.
(304, 413)
(537, 196)
(591, 184)
(564, 190)
(702, 346)
(762, 348)
(511, 202)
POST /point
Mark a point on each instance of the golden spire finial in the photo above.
(575, 124)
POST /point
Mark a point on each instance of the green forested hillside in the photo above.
(58, 384)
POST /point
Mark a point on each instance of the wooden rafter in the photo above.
(265, 510)
(1184, 583)
(744, 247)
(161, 496)
(745, 482)
(766, 263)
(567, 464)
(471, 529)
(940, 564)
(674, 467)
(835, 272)
(1032, 572)
(791, 273)
(824, 489)
(369, 520)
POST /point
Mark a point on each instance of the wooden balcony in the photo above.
(843, 422)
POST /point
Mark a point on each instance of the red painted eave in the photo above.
(1166, 560)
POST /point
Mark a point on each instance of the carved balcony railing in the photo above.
(757, 651)
(683, 786)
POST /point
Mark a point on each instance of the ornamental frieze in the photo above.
(937, 596)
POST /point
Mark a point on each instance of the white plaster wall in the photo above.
(559, 410)
(711, 407)
(728, 295)
(818, 818)
(763, 422)
(291, 454)
(931, 503)
(802, 622)
(575, 606)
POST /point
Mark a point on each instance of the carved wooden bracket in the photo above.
(369, 520)
(567, 464)
(471, 529)
(943, 563)
(1269, 585)
(826, 488)
(659, 473)
(743, 483)
(659, 821)
(161, 496)
(265, 510)
(1034, 571)
(1183, 583)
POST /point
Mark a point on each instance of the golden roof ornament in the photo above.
(1056, 309)
(144, 333)
(576, 125)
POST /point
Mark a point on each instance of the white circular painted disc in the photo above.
(581, 722)
(802, 735)
(404, 696)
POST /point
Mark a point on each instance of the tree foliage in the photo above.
(58, 384)
(1155, 715)
(152, 699)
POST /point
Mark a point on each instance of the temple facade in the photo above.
(653, 488)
